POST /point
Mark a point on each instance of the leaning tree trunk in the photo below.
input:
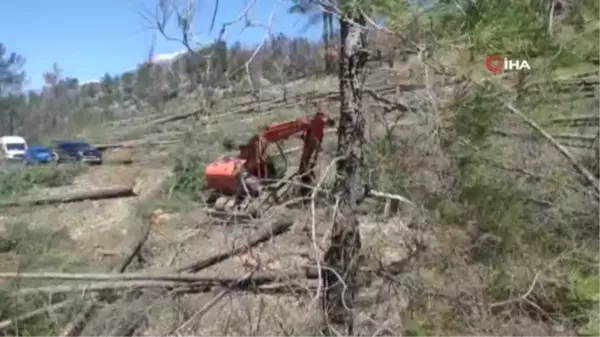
(342, 255)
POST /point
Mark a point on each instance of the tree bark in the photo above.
(105, 193)
(326, 42)
(342, 255)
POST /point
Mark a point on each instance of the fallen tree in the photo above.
(588, 119)
(105, 193)
(580, 169)
(134, 143)
(188, 281)
(272, 105)
(535, 136)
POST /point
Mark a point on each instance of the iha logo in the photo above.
(497, 64)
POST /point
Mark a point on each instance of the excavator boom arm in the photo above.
(222, 174)
(311, 131)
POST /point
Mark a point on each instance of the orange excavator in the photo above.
(251, 175)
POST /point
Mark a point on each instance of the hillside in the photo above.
(482, 216)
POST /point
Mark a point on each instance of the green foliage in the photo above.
(18, 182)
(11, 80)
(11, 71)
(519, 32)
(584, 297)
(189, 174)
(190, 162)
(497, 207)
(40, 247)
(476, 114)
(382, 157)
(11, 307)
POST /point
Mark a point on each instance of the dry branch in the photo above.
(72, 328)
(106, 193)
(390, 105)
(390, 196)
(57, 306)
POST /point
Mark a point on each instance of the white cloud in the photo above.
(88, 81)
(160, 58)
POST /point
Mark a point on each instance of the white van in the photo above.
(12, 147)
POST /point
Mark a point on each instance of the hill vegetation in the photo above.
(464, 202)
(65, 106)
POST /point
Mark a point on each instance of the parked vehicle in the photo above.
(74, 150)
(12, 147)
(38, 155)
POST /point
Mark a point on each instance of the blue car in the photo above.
(75, 150)
(38, 155)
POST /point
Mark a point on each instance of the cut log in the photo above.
(106, 193)
(270, 229)
(134, 143)
(257, 277)
(118, 162)
(251, 284)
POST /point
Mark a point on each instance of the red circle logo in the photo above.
(494, 63)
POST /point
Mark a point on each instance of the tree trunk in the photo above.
(595, 162)
(342, 255)
(331, 37)
(327, 59)
(99, 194)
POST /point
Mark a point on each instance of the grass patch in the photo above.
(36, 249)
(40, 247)
(19, 182)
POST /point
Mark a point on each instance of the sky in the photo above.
(88, 38)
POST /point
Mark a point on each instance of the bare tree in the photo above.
(351, 185)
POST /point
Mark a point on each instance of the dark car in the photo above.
(73, 150)
(38, 155)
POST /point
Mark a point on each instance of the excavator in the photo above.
(242, 184)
